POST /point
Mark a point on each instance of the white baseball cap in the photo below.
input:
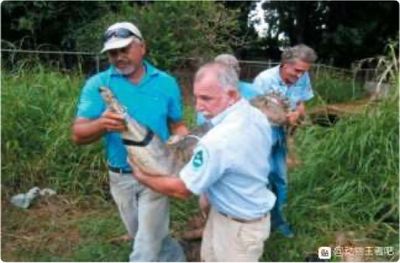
(120, 35)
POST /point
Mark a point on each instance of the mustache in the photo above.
(121, 61)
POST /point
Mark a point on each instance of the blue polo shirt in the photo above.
(246, 90)
(270, 81)
(229, 166)
(153, 101)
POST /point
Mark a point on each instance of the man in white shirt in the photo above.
(228, 166)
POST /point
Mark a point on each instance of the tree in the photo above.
(29, 25)
(341, 31)
(172, 30)
(246, 35)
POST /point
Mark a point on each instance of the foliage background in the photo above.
(172, 30)
(341, 31)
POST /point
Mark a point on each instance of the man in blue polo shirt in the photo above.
(290, 79)
(228, 166)
(152, 97)
(247, 90)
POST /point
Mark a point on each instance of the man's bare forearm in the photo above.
(86, 131)
(166, 185)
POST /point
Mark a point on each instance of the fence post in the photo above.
(317, 71)
(366, 76)
(354, 75)
(97, 63)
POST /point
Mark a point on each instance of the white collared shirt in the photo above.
(270, 81)
(229, 163)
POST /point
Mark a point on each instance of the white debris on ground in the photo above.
(25, 200)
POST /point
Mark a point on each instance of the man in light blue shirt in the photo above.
(246, 89)
(152, 97)
(291, 81)
(228, 166)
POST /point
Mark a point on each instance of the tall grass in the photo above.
(329, 88)
(348, 181)
(386, 66)
(38, 107)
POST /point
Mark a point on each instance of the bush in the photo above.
(172, 30)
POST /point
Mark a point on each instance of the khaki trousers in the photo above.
(145, 214)
(225, 239)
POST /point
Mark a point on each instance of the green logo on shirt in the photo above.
(198, 159)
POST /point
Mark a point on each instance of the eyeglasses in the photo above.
(119, 32)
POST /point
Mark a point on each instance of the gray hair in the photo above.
(299, 52)
(226, 75)
(228, 60)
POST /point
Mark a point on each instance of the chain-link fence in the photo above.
(90, 63)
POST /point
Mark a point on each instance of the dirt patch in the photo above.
(328, 115)
(55, 228)
(48, 225)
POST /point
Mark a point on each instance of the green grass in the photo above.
(63, 228)
(38, 108)
(348, 180)
(329, 88)
(91, 228)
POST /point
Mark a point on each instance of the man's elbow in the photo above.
(76, 139)
(184, 194)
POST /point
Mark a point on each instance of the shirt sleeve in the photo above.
(204, 168)
(258, 83)
(256, 91)
(248, 90)
(307, 93)
(175, 102)
(91, 104)
(263, 82)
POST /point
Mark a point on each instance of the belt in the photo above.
(243, 220)
(119, 170)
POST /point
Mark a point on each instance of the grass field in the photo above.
(347, 182)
